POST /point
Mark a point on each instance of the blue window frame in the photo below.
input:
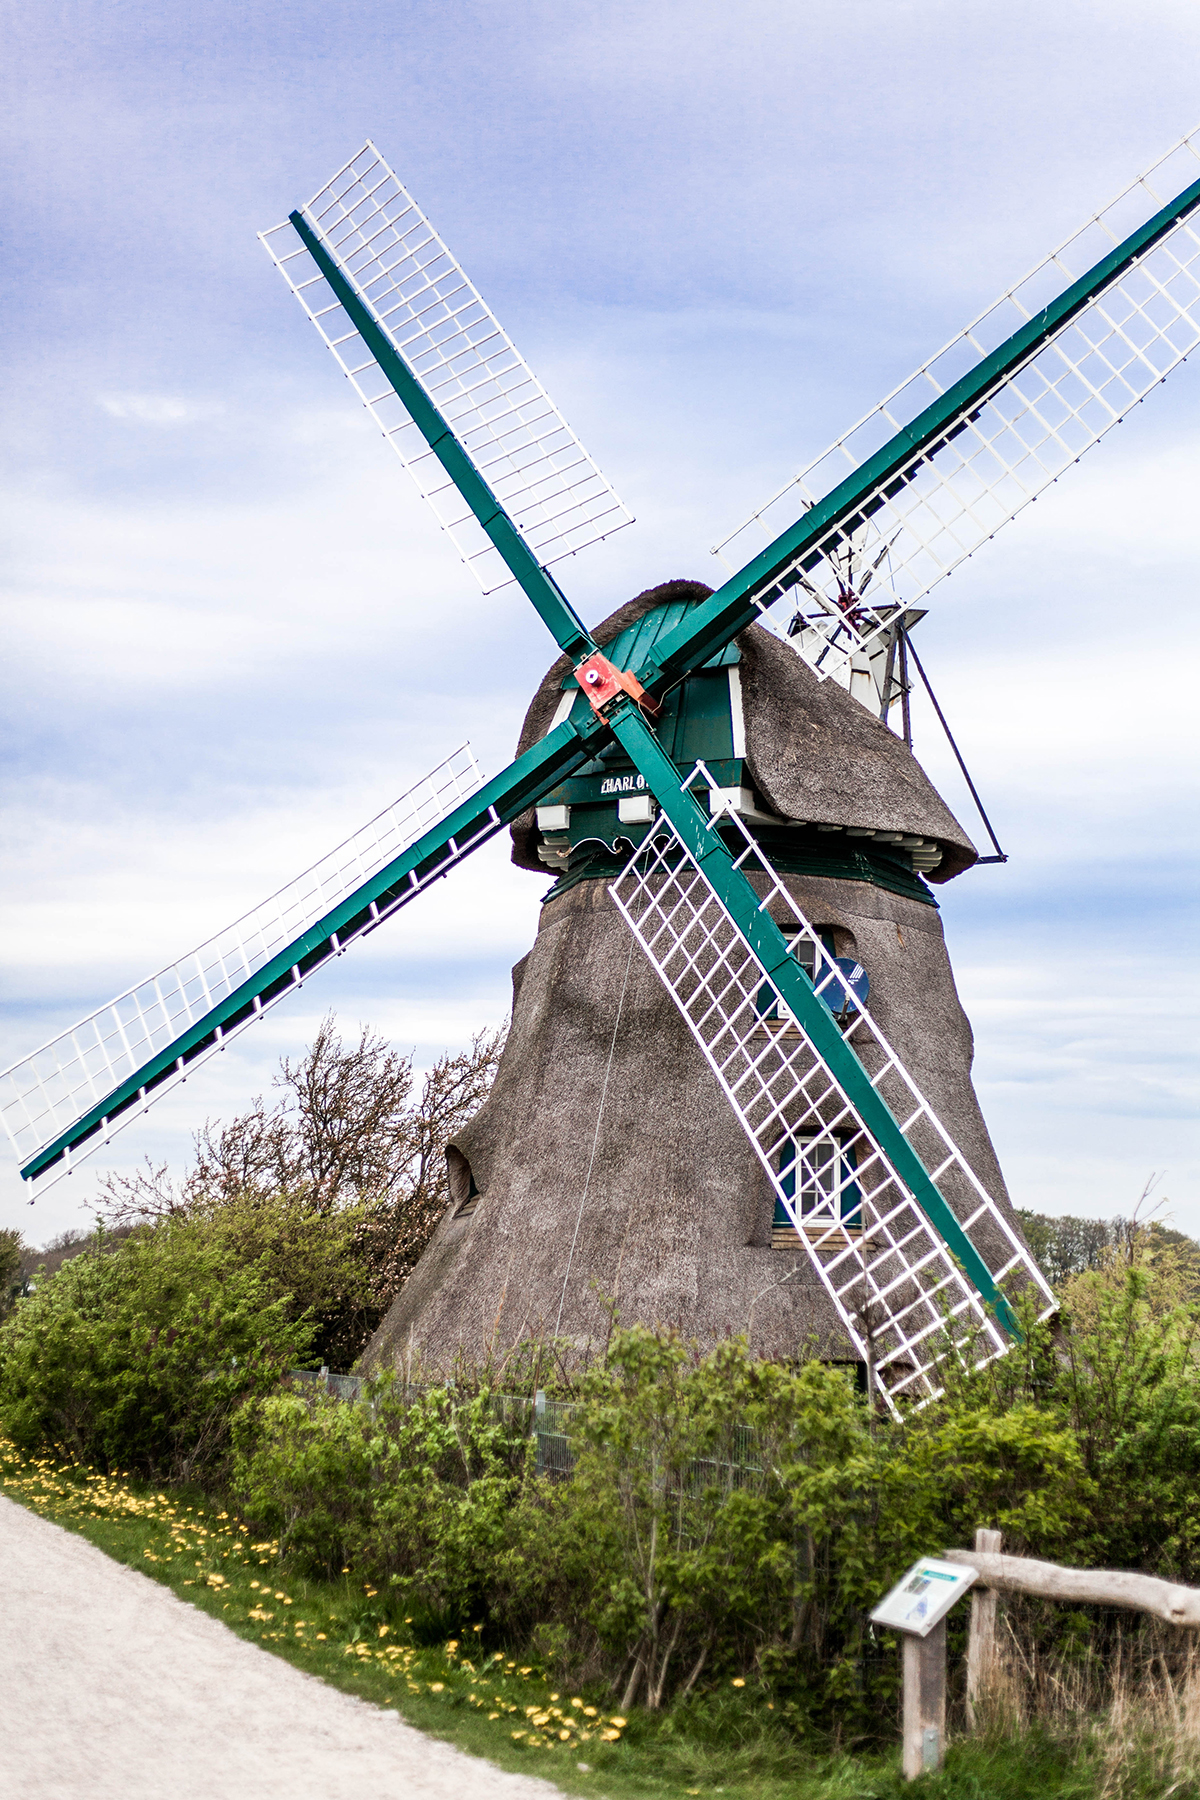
(772, 1010)
(828, 1192)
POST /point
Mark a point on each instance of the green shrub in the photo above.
(415, 1495)
(727, 1519)
(138, 1360)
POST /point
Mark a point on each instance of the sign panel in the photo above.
(924, 1596)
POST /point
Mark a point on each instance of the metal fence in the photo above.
(549, 1423)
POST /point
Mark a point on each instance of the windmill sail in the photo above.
(892, 1262)
(138, 1045)
(379, 239)
(988, 423)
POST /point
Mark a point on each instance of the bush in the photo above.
(650, 1565)
(414, 1494)
(730, 1519)
(138, 1360)
(341, 1182)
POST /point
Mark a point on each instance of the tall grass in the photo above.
(1121, 1700)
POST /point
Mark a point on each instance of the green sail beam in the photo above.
(732, 607)
(441, 849)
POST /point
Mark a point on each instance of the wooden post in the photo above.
(924, 1702)
(981, 1639)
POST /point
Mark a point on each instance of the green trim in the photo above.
(791, 984)
(809, 853)
(729, 610)
(470, 825)
(789, 852)
(555, 611)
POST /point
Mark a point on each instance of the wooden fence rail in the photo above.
(1095, 1587)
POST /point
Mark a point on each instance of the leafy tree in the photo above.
(340, 1183)
(12, 1250)
(1066, 1245)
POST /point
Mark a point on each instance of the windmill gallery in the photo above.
(737, 1091)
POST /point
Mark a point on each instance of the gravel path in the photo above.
(113, 1689)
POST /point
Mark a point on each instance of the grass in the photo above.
(506, 1709)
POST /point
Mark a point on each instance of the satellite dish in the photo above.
(847, 995)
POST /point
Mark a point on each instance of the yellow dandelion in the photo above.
(737, 1682)
(564, 1735)
(383, 1630)
(590, 1712)
(577, 1703)
(320, 1637)
(618, 1722)
(496, 1716)
(436, 1687)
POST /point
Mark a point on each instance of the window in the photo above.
(767, 1004)
(773, 1011)
(818, 1171)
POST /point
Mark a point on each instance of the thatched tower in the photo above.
(606, 1162)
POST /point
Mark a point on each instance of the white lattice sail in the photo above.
(44, 1094)
(899, 1292)
(922, 521)
(498, 410)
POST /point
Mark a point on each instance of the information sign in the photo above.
(924, 1596)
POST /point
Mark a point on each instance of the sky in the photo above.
(233, 632)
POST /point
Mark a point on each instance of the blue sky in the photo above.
(233, 632)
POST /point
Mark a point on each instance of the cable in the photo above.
(595, 1140)
(999, 856)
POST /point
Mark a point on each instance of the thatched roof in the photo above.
(814, 753)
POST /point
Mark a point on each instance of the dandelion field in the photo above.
(347, 1633)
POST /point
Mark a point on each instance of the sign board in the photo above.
(924, 1596)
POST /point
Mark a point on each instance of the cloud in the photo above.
(158, 409)
(235, 632)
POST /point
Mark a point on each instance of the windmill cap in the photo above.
(814, 753)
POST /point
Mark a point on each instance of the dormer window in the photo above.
(464, 1194)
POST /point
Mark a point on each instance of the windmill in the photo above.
(905, 1244)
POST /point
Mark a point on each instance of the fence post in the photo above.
(924, 1701)
(539, 1420)
(981, 1638)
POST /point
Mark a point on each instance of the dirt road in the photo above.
(112, 1689)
